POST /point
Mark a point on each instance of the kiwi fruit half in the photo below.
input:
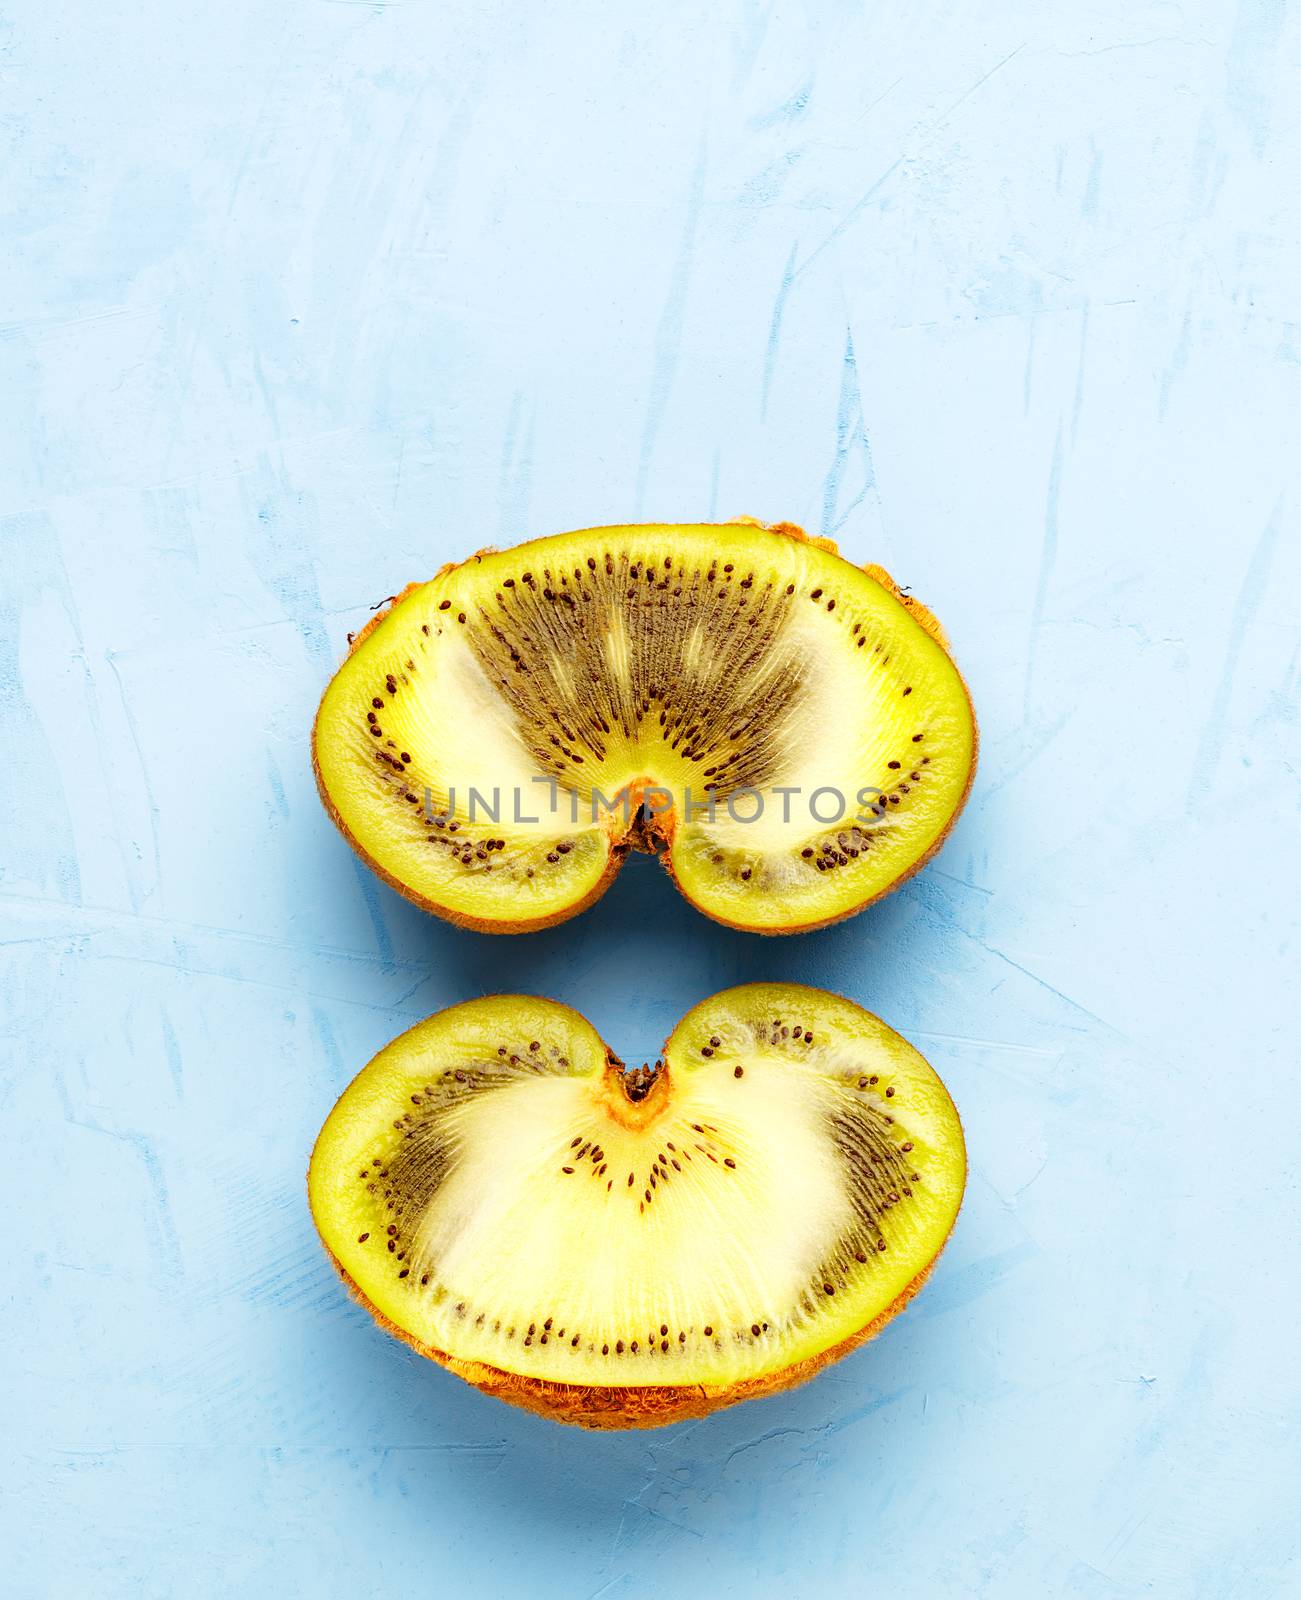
(623, 1248)
(788, 729)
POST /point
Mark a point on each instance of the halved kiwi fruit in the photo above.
(625, 1249)
(788, 728)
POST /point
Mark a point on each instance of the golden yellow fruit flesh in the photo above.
(618, 1248)
(787, 728)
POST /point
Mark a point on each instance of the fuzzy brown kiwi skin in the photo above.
(602, 1407)
(611, 1407)
(665, 828)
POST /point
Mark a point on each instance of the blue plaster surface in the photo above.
(301, 300)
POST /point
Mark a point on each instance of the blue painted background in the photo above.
(301, 300)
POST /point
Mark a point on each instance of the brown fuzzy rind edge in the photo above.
(601, 1407)
(462, 919)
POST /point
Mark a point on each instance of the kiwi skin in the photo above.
(664, 828)
(606, 1408)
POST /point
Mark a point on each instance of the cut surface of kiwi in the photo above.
(622, 1249)
(787, 728)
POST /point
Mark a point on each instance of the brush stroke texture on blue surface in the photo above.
(298, 302)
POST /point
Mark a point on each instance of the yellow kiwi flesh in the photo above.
(787, 728)
(621, 1249)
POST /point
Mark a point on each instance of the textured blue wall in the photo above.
(301, 300)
